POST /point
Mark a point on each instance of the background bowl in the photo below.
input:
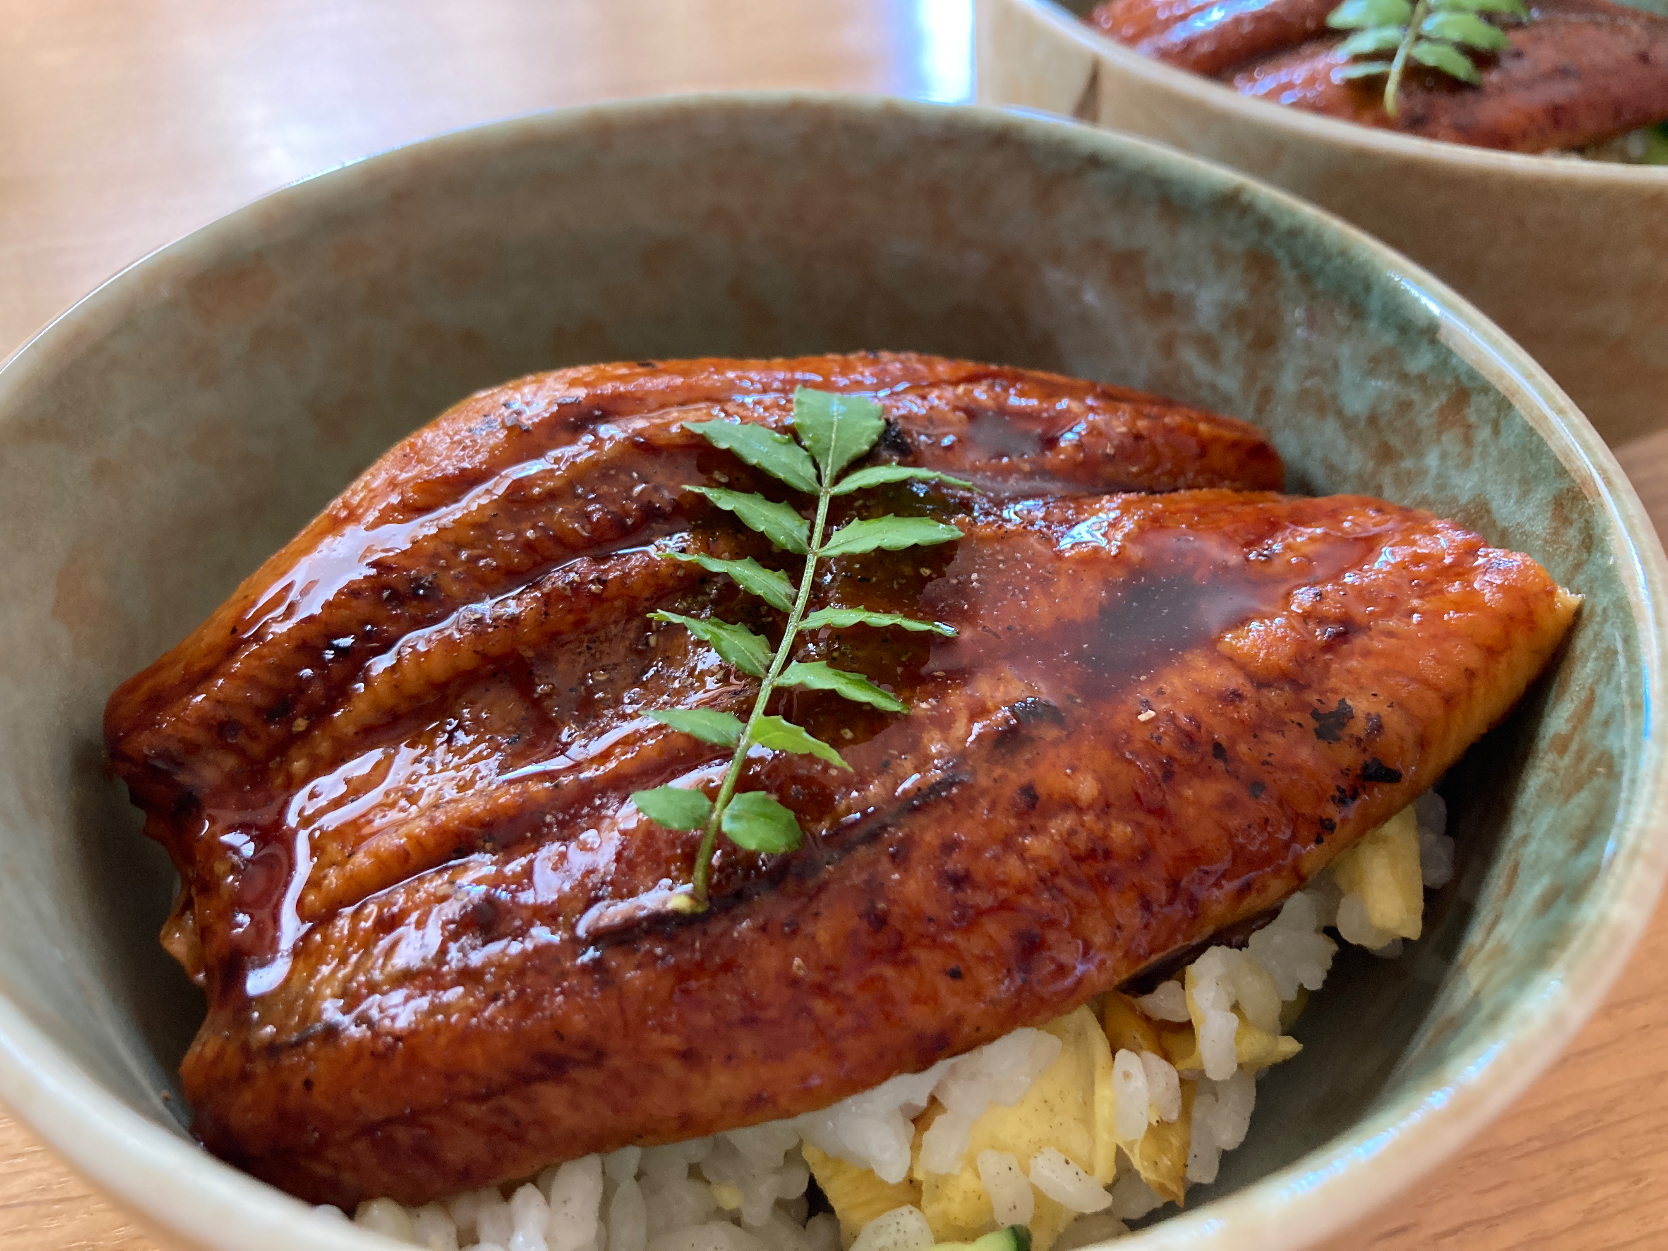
(1569, 256)
(186, 419)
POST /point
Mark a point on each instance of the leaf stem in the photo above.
(701, 879)
(1393, 84)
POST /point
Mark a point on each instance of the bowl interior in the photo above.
(182, 423)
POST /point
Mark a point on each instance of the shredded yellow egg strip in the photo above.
(1072, 1107)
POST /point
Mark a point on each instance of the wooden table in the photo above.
(124, 123)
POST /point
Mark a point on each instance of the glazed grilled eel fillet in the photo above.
(393, 770)
(1581, 72)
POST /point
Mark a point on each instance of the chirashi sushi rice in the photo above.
(1098, 1118)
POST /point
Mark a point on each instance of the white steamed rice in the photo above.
(745, 1190)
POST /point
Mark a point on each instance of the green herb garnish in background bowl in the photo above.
(1440, 34)
(1656, 145)
(831, 431)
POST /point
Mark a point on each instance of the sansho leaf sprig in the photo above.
(1439, 34)
(831, 431)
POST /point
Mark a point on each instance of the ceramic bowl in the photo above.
(183, 421)
(1570, 257)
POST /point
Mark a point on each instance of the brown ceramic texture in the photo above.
(1570, 257)
(184, 421)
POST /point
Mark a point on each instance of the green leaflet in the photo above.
(837, 428)
(718, 728)
(814, 675)
(674, 807)
(780, 735)
(755, 820)
(777, 522)
(842, 617)
(1463, 28)
(891, 533)
(736, 644)
(1515, 7)
(1360, 14)
(1433, 33)
(1378, 39)
(832, 432)
(876, 475)
(776, 454)
(770, 586)
(1447, 58)
(1362, 69)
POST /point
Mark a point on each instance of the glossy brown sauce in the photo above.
(1121, 602)
(992, 437)
(1186, 588)
(1157, 593)
(270, 827)
(394, 770)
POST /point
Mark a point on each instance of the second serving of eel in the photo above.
(1573, 74)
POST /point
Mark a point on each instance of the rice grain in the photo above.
(1011, 1200)
(1053, 1173)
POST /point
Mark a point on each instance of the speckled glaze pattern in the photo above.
(1570, 257)
(182, 422)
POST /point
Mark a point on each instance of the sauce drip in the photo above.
(1140, 601)
(990, 436)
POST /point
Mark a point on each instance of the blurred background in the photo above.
(125, 123)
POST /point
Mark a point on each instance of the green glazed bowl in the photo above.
(178, 425)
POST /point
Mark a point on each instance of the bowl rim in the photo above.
(171, 1184)
(1299, 125)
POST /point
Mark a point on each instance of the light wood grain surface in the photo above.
(124, 123)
